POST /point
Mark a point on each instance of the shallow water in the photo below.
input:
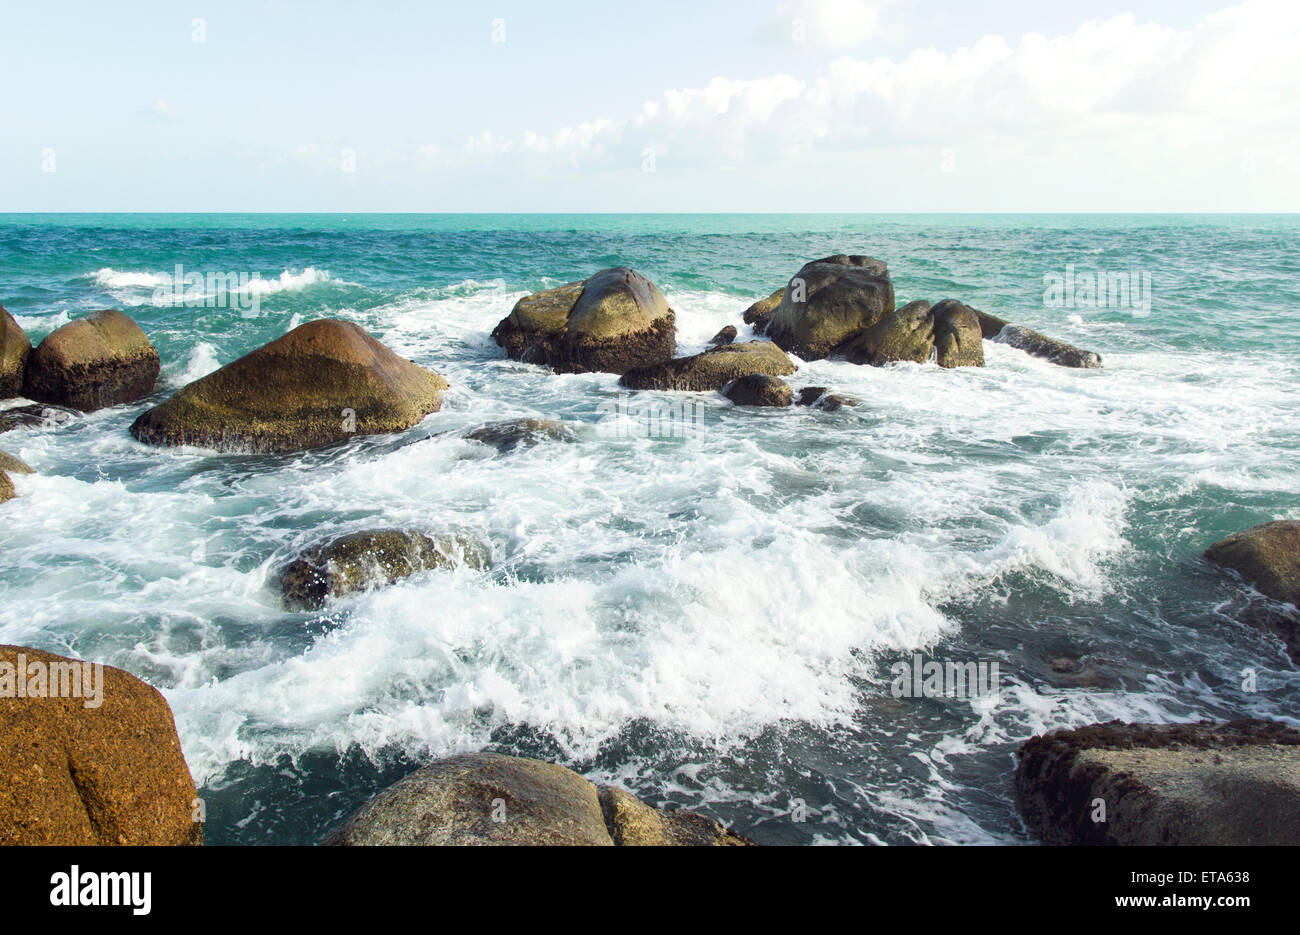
(708, 620)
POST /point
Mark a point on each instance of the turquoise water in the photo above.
(710, 622)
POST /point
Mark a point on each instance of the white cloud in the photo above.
(837, 25)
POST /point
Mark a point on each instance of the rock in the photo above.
(1268, 556)
(493, 799)
(1036, 344)
(958, 338)
(370, 559)
(92, 363)
(14, 350)
(818, 397)
(711, 370)
(760, 313)
(632, 823)
(323, 382)
(907, 334)
(7, 491)
(758, 389)
(517, 433)
(725, 336)
(829, 302)
(1183, 784)
(14, 465)
(20, 416)
(611, 322)
(79, 775)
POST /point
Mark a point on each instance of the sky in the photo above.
(576, 106)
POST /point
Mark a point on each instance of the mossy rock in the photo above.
(7, 491)
(370, 559)
(102, 360)
(14, 465)
(520, 433)
(726, 336)
(16, 417)
(829, 302)
(1268, 557)
(760, 313)
(758, 389)
(904, 335)
(611, 322)
(1036, 344)
(958, 339)
(819, 397)
(106, 774)
(711, 370)
(324, 382)
(494, 799)
(15, 347)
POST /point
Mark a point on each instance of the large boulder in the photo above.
(493, 799)
(370, 559)
(958, 338)
(1198, 784)
(92, 363)
(829, 302)
(758, 389)
(89, 756)
(712, 369)
(14, 350)
(611, 322)
(323, 382)
(1036, 344)
(1268, 556)
(906, 334)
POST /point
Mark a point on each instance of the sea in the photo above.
(715, 615)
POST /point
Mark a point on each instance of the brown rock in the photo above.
(92, 363)
(14, 465)
(829, 302)
(1036, 344)
(758, 389)
(14, 350)
(6, 488)
(712, 369)
(611, 322)
(725, 336)
(632, 823)
(1268, 556)
(760, 313)
(1184, 784)
(906, 334)
(958, 339)
(77, 775)
(323, 382)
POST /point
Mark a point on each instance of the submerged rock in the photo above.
(15, 347)
(758, 389)
(16, 417)
(1036, 344)
(493, 799)
(1185, 784)
(86, 770)
(711, 370)
(819, 397)
(102, 360)
(611, 322)
(371, 559)
(323, 382)
(829, 302)
(725, 336)
(517, 433)
(1268, 556)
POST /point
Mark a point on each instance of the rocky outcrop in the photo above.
(725, 336)
(1268, 556)
(493, 799)
(1191, 784)
(829, 302)
(758, 389)
(760, 313)
(819, 397)
(611, 322)
(14, 350)
(712, 369)
(370, 559)
(520, 433)
(904, 335)
(1036, 344)
(323, 382)
(90, 756)
(92, 363)
(958, 339)
(14, 465)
